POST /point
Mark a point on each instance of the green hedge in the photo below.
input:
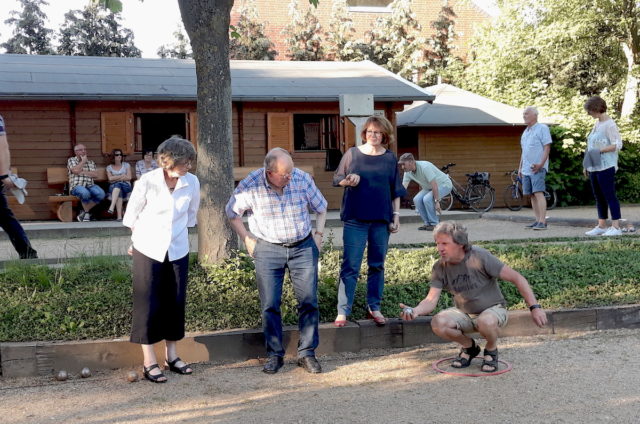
(91, 298)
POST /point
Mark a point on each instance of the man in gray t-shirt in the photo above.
(471, 275)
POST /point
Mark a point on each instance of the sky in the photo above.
(153, 22)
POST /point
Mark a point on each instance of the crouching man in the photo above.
(470, 274)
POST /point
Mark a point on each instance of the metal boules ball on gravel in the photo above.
(62, 375)
(85, 372)
(132, 376)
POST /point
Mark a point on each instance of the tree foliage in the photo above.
(30, 36)
(340, 40)
(251, 42)
(180, 49)
(95, 31)
(304, 34)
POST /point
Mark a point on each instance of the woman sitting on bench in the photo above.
(119, 176)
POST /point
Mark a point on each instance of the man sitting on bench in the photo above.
(82, 171)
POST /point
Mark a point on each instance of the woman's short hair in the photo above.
(385, 127)
(595, 104)
(406, 157)
(175, 151)
(145, 152)
(458, 233)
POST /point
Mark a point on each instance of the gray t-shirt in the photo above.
(473, 282)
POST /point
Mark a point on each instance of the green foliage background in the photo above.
(91, 298)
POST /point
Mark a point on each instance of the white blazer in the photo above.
(158, 218)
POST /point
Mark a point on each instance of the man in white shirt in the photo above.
(534, 165)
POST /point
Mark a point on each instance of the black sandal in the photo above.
(179, 370)
(155, 378)
(492, 363)
(472, 351)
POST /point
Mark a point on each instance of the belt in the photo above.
(295, 243)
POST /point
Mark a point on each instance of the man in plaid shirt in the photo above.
(82, 171)
(278, 198)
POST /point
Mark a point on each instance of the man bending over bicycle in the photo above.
(434, 185)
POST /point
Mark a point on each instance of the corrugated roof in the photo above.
(457, 107)
(108, 78)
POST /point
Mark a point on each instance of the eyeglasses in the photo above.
(375, 133)
(117, 154)
(288, 175)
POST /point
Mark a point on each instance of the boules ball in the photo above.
(62, 375)
(85, 373)
(132, 376)
(408, 311)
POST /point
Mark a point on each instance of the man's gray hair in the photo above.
(273, 155)
(175, 151)
(458, 233)
(532, 109)
(406, 157)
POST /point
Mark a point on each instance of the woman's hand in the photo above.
(395, 225)
(352, 180)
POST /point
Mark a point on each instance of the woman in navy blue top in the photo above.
(370, 211)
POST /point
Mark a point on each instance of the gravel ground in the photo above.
(588, 377)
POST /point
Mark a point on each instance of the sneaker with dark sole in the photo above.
(426, 228)
(530, 226)
(540, 226)
(80, 216)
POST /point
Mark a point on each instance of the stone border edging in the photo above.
(45, 358)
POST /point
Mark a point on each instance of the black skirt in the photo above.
(159, 297)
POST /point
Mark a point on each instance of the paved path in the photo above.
(109, 238)
(573, 378)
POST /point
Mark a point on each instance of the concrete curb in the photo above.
(45, 358)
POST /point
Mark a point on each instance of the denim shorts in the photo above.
(124, 186)
(534, 183)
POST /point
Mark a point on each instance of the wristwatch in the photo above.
(536, 306)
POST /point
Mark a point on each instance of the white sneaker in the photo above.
(597, 231)
(613, 231)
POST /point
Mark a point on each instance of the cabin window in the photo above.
(375, 6)
(313, 132)
(151, 129)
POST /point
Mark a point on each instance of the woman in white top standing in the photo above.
(119, 176)
(603, 144)
(164, 203)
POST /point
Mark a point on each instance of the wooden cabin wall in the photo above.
(488, 149)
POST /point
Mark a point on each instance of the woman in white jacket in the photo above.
(164, 203)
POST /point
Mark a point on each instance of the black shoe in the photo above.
(80, 216)
(310, 363)
(274, 363)
(29, 254)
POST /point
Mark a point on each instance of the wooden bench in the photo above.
(240, 172)
(62, 205)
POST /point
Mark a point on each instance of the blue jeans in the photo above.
(425, 205)
(603, 184)
(271, 263)
(92, 193)
(355, 235)
(124, 186)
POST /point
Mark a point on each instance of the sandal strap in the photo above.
(150, 367)
(174, 362)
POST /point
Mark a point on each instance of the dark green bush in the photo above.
(91, 298)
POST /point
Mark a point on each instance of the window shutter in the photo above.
(193, 128)
(117, 131)
(280, 131)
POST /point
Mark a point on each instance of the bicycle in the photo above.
(478, 194)
(514, 199)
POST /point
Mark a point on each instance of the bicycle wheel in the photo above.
(446, 202)
(552, 199)
(481, 197)
(513, 197)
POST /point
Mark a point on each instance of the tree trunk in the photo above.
(207, 23)
(631, 88)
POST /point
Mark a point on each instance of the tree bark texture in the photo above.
(207, 23)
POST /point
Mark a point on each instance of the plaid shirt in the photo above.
(275, 218)
(78, 180)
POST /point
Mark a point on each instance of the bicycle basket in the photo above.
(480, 178)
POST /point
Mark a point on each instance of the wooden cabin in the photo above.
(472, 131)
(51, 103)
